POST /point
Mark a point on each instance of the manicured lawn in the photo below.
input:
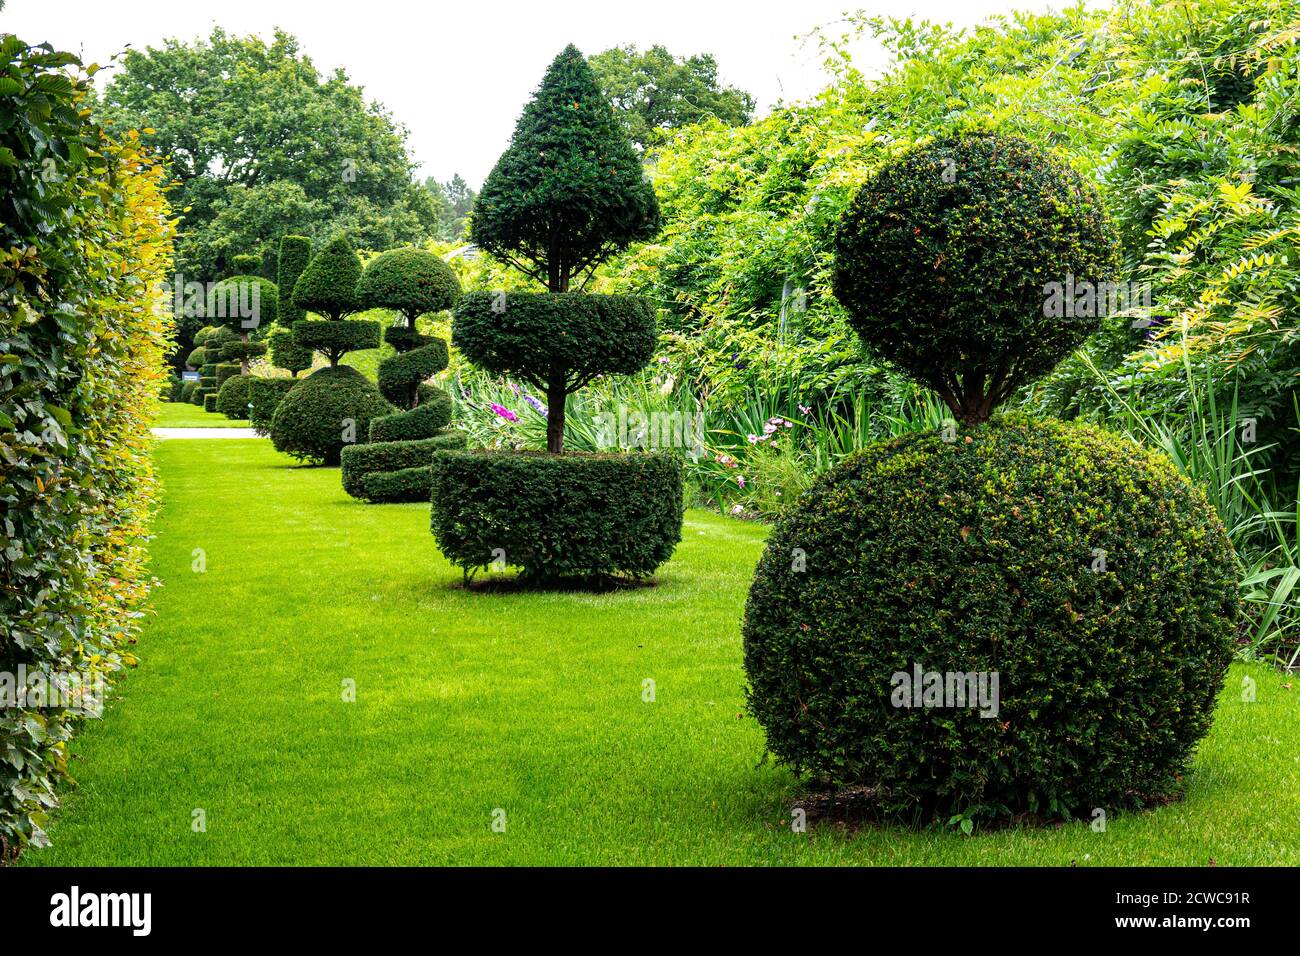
(532, 703)
(185, 415)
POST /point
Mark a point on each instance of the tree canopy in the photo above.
(261, 144)
(654, 91)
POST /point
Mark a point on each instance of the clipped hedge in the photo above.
(430, 416)
(335, 339)
(314, 420)
(187, 391)
(367, 468)
(982, 556)
(558, 516)
(210, 402)
(85, 247)
(225, 371)
(264, 395)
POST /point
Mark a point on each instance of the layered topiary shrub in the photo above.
(558, 516)
(286, 353)
(210, 402)
(325, 412)
(411, 282)
(333, 406)
(1017, 617)
(568, 193)
(264, 395)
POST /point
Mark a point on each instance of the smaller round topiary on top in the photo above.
(413, 282)
(945, 260)
(328, 286)
(245, 264)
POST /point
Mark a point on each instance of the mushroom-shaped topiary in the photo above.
(1031, 617)
(413, 282)
(944, 261)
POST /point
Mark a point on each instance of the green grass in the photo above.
(532, 703)
(185, 415)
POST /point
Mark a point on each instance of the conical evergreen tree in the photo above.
(570, 190)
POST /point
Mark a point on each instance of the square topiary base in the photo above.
(558, 516)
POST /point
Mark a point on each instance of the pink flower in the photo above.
(740, 480)
(504, 412)
(738, 509)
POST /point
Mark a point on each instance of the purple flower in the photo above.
(538, 407)
(804, 409)
(504, 412)
(740, 480)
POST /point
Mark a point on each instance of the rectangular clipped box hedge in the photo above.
(371, 472)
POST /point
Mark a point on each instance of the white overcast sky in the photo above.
(457, 74)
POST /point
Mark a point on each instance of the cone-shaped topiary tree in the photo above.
(393, 466)
(294, 255)
(567, 194)
(328, 287)
(1031, 617)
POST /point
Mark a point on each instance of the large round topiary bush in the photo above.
(233, 396)
(1017, 617)
(326, 411)
(1085, 572)
(944, 261)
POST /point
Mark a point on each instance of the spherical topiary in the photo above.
(187, 391)
(946, 261)
(264, 395)
(410, 281)
(327, 410)
(1095, 581)
(232, 397)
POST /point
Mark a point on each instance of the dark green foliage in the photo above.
(432, 414)
(232, 397)
(945, 260)
(196, 357)
(570, 190)
(558, 516)
(400, 375)
(366, 468)
(208, 370)
(187, 391)
(403, 338)
(209, 381)
(269, 266)
(526, 335)
(285, 351)
(225, 371)
(196, 394)
(239, 351)
(328, 286)
(295, 253)
(245, 264)
(264, 395)
(981, 554)
(336, 339)
(314, 421)
(243, 304)
(210, 402)
(413, 282)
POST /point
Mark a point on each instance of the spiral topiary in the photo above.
(1028, 616)
(412, 282)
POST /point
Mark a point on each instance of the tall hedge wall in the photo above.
(85, 242)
